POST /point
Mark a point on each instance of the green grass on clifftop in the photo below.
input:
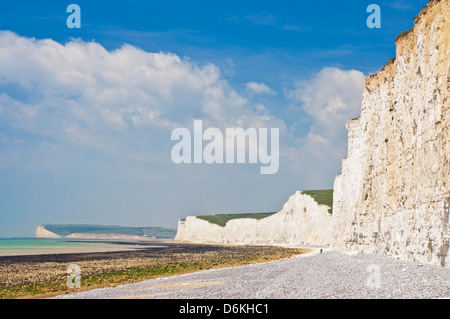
(222, 219)
(324, 197)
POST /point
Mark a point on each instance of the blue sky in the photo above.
(84, 138)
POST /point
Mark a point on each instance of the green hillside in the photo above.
(158, 232)
(324, 197)
(222, 219)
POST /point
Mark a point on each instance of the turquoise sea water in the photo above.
(36, 243)
(18, 246)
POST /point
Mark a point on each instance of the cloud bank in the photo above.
(80, 108)
(331, 98)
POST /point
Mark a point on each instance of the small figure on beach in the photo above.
(321, 250)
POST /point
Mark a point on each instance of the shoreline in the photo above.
(92, 246)
(37, 276)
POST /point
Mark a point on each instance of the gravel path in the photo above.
(315, 275)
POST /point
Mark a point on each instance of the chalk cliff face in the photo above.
(392, 197)
(41, 232)
(301, 221)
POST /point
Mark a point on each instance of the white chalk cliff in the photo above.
(301, 221)
(393, 194)
(41, 232)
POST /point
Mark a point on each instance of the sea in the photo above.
(34, 246)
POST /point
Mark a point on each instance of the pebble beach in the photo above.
(43, 275)
(330, 275)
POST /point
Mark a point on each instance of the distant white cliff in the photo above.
(41, 232)
(302, 221)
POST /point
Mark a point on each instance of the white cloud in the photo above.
(120, 101)
(118, 108)
(99, 122)
(259, 88)
(400, 5)
(331, 98)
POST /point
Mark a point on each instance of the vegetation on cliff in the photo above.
(223, 219)
(323, 197)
